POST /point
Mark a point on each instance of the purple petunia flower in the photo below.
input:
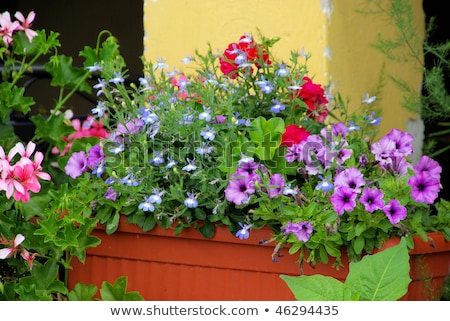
(76, 165)
(394, 211)
(339, 128)
(429, 166)
(343, 198)
(383, 151)
(403, 142)
(425, 188)
(110, 194)
(95, 156)
(350, 177)
(302, 230)
(240, 187)
(372, 199)
(130, 127)
(293, 153)
(276, 183)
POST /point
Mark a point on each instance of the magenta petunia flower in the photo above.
(343, 198)
(302, 230)
(425, 188)
(95, 156)
(403, 142)
(372, 199)
(395, 211)
(350, 177)
(428, 165)
(276, 183)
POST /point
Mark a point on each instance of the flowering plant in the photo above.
(248, 141)
(38, 239)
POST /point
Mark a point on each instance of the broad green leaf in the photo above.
(82, 292)
(52, 129)
(207, 229)
(64, 75)
(267, 136)
(117, 292)
(383, 276)
(317, 288)
(112, 224)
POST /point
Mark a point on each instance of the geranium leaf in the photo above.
(82, 292)
(64, 75)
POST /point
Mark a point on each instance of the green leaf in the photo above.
(52, 129)
(82, 292)
(383, 276)
(112, 224)
(267, 136)
(358, 244)
(117, 292)
(64, 75)
(317, 288)
(149, 223)
(207, 229)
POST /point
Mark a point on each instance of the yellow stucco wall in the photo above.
(338, 37)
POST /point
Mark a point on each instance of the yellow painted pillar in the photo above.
(338, 38)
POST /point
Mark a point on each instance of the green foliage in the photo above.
(108, 292)
(383, 276)
(405, 45)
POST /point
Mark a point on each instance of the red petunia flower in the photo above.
(293, 134)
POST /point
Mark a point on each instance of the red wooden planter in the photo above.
(429, 261)
(162, 266)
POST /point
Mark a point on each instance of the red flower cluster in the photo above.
(242, 55)
(314, 97)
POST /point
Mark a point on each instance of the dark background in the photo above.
(79, 23)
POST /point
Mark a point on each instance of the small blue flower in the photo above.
(243, 233)
(205, 115)
(160, 63)
(265, 85)
(277, 107)
(351, 127)
(171, 162)
(118, 149)
(208, 133)
(148, 116)
(147, 205)
(371, 120)
(204, 149)
(325, 185)
(156, 196)
(368, 100)
(129, 180)
(282, 71)
(100, 109)
(118, 78)
(100, 85)
(157, 159)
(190, 166)
(96, 67)
(191, 201)
(288, 190)
(99, 170)
(186, 60)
